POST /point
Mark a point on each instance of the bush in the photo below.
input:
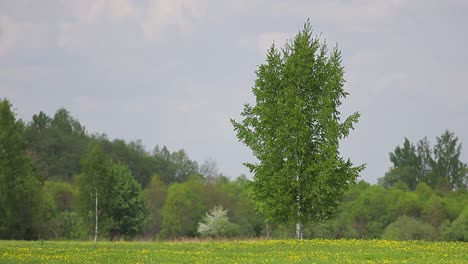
(216, 224)
(458, 230)
(409, 228)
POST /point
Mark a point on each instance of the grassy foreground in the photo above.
(266, 251)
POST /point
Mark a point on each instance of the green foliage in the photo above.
(294, 130)
(448, 168)
(434, 212)
(439, 167)
(374, 205)
(39, 198)
(408, 204)
(409, 228)
(458, 229)
(182, 210)
(71, 226)
(94, 185)
(126, 207)
(406, 167)
(155, 196)
(178, 166)
(57, 144)
(111, 194)
(20, 193)
(63, 194)
(134, 156)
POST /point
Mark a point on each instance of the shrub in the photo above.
(409, 228)
(458, 230)
(216, 224)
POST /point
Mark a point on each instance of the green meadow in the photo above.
(256, 251)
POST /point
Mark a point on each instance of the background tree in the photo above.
(56, 144)
(448, 168)
(92, 186)
(294, 131)
(126, 209)
(209, 169)
(155, 195)
(439, 167)
(183, 209)
(406, 165)
(20, 191)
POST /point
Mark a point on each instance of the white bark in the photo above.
(299, 231)
(96, 213)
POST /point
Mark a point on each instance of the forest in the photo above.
(60, 182)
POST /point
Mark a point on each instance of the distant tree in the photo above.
(111, 196)
(178, 166)
(67, 145)
(155, 195)
(294, 131)
(126, 209)
(425, 161)
(20, 190)
(93, 186)
(38, 140)
(56, 144)
(133, 155)
(209, 169)
(439, 167)
(182, 210)
(184, 167)
(406, 168)
(448, 169)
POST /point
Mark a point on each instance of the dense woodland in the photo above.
(56, 180)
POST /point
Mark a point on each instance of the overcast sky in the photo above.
(172, 72)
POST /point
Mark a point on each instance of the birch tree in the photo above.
(294, 129)
(95, 168)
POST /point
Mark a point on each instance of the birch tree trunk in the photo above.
(299, 210)
(299, 231)
(96, 214)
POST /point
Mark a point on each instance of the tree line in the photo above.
(59, 182)
(440, 166)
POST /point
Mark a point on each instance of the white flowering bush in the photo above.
(215, 223)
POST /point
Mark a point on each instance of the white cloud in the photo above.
(123, 9)
(18, 36)
(9, 30)
(263, 41)
(163, 14)
(116, 10)
(154, 17)
(357, 15)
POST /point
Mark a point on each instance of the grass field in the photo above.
(266, 251)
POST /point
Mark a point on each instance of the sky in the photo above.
(172, 72)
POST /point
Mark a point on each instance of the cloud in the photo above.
(21, 37)
(153, 17)
(263, 41)
(163, 14)
(9, 30)
(353, 15)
